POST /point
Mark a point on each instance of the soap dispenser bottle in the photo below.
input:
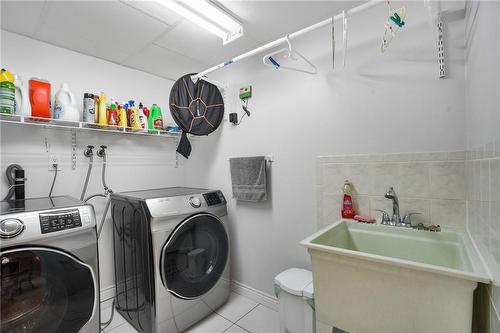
(347, 204)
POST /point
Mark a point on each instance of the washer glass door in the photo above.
(44, 291)
(195, 256)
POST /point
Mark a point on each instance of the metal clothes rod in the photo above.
(282, 40)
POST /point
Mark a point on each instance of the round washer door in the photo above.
(194, 256)
(45, 290)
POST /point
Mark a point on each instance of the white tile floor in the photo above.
(238, 315)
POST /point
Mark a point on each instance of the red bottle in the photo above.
(347, 206)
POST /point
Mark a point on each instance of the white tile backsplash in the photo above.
(447, 180)
(414, 180)
(425, 183)
(383, 175)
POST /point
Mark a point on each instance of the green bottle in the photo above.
(7, 92)
(155, 119)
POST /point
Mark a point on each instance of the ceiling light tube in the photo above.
(216, 15)
(208, 17)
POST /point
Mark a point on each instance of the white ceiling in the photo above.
(145, 35)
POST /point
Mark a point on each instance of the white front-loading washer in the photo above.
(171, 250)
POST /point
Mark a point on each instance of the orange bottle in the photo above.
(39, 92)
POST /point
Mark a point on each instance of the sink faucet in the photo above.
(396, 217)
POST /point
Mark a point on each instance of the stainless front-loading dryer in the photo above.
(171, 251)
(49, 266)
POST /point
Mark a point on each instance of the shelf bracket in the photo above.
(73, 150)
(440, 49)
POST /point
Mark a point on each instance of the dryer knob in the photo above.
(195, 202)
(11, 228)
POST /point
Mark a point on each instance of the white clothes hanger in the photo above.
(344, 37)
(395, 21)
(271, 59)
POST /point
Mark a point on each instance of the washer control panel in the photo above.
(60, 220)
(214, 198)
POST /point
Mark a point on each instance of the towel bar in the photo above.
(268, 158)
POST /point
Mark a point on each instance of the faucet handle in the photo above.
(386, 220)
(407, 218)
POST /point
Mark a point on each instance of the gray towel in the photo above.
(248, 177)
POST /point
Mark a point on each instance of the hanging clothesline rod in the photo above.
(270, 45)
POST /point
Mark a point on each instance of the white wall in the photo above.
(377, 104)
(483, 139)
(134, 162)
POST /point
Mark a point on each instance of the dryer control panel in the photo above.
(214, 198)
(61, 220)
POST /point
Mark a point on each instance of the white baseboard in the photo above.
(255, 295)
(258, 296)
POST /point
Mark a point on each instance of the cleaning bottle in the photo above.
(102, 117)
(23, 106)
(88, 108)
(133, 116)
(39, 93)
(113, 115)
(143, 119)
(65, 105)
(155, 118)
(7, 92)
(96, 108)
(347, 205)
(122, 116)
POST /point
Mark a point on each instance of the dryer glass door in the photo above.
(44, 290)
(195, 256)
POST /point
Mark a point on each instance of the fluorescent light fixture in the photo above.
(208, 16)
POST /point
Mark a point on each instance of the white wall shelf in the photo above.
(83, 126)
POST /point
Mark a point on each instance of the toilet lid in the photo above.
(295, 281)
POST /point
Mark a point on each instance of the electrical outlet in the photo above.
(54, 159)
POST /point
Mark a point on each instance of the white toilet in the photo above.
(295, 292)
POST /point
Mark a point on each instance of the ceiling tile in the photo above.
(21, 16)
(154, 9)
(108, 22)
(189, 39)
(67, 40)
(158, 61)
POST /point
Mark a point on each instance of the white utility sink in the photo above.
(376, 278)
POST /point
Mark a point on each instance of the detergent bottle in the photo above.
(155, 118)
(143, 118)
(113, 115)
(39, 93)
(23, 106)
(65, 105)
(7, 92)
(103, 116)
(133, 116)
(122, 116)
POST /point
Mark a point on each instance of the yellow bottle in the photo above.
(122, 115)
(133, 116)
(102, 116)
